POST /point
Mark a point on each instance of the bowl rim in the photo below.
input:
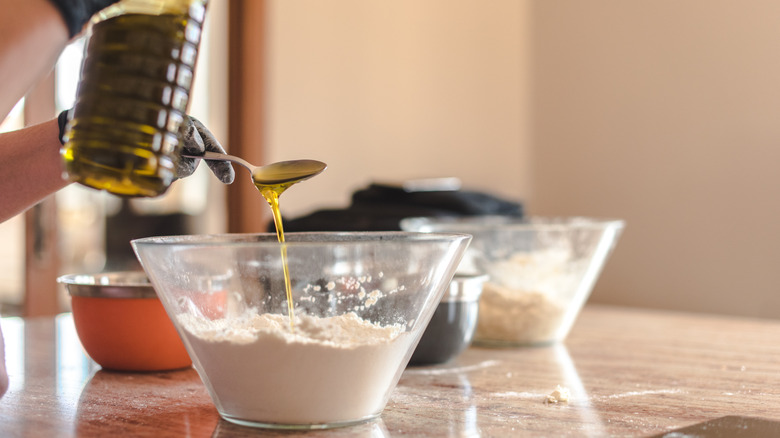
(307, 238)
(465, 288)
(116, 284)
(467, 224)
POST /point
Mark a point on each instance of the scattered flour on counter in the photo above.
(327, 370)
(515, 394)
(641, 393)
(559, 395)
(437, 371)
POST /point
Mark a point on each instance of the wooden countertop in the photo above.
(630, 372)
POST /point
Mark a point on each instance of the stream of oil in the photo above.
(271, 194)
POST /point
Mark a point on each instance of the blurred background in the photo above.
(662, 113)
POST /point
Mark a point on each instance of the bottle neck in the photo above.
(154, 7)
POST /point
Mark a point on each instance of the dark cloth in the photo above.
(62, 122)
(76, 13)
(381, 208)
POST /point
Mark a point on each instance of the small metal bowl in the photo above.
(452, 326)
(122, 324)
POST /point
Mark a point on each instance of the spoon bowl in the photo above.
(287, 171)
(283, 172)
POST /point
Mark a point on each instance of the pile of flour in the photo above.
(526, 298)
(326, 370)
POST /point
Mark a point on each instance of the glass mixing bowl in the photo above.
(361, 303)
(540, 271)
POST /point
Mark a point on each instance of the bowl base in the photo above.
(284, 426)
(496, 343)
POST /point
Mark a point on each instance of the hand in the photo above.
(76, 13)
(197, 140)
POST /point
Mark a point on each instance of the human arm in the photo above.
(32, 35)
(31, 167)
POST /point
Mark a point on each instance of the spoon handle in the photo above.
(216, 156)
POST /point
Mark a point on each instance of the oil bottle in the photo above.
(133, 96)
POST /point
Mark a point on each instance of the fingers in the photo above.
(192, 145)
(222, 170)
(208, 138)
(193, 141)
(198, 139)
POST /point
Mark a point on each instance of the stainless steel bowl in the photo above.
(453, 323)
(125, 284)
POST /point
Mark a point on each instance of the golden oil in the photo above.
(271, 193)
(133, 97)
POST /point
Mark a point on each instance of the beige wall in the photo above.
(661, 112)
(390, 90)
(666, 113)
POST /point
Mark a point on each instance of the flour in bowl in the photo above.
(525, 300)
(328, 370)
(517, 316)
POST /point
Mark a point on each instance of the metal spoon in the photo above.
(291, 171)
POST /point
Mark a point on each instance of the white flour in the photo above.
(328, 370)
(516, 316)
(525, 300)
(559, 395)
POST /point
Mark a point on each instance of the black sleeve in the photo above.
(76, 13)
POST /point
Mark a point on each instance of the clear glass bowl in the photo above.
(541, 271)
(361, 303)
